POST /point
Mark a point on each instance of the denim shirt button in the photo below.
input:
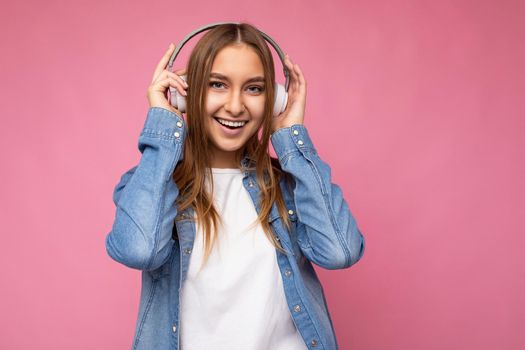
(300, 142)
(174, 328)
(176, 134)
(290, 212)
(179, 124)
(314, 343)
(187, 250)
(297, 308)
(287, 273)
(295, 132)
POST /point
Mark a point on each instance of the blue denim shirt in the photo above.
(324, 232)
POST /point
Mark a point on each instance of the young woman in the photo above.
(225, 235)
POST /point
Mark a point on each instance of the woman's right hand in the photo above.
(162, 80)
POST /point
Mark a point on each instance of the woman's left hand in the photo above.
(294, 112)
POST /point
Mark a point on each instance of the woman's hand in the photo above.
(294, 112)
(162, 80)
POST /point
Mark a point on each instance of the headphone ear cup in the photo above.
(176, 99)
(281, 100)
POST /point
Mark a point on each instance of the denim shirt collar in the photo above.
(246, 162)
(251, 185)
(245, 159)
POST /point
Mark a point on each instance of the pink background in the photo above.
(416, 105)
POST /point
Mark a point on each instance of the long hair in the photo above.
(191, 172)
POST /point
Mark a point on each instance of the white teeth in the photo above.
(234, 124)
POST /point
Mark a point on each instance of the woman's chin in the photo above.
(227, 146)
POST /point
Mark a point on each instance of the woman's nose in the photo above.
(234, 105)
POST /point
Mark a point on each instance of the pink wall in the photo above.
(416, 105)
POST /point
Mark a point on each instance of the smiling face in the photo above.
(235, 97)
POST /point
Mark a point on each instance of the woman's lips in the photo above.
(230, 132)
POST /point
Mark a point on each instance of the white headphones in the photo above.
(281, 92)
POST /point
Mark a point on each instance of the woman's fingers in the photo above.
(301, 79)
(162, 80)
(177, 77)
(297, 91)
(163, 62)
(170, 81)
(166, 73)
(181, 71)
(156, 93)
(288, 64)
(294, 81)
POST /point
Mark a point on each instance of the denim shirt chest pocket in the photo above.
(288, 238)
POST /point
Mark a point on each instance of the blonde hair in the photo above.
(190, 173)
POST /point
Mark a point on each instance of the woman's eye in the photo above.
(212, 83)
(258, 88)
(252, 89)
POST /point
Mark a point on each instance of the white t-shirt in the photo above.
(237, 300)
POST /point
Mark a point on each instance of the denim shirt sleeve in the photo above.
(145, 195)
(331, 237)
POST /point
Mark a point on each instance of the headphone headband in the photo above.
(209, 26)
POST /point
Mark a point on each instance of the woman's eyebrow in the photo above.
(223, 77)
